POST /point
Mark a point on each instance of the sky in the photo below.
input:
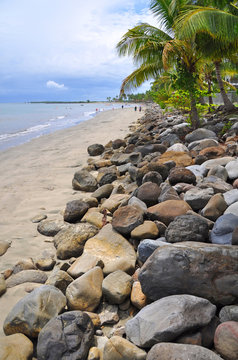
(65, 49)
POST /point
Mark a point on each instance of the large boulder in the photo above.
(167, 318)
(16, 347)
(67, 336)
(118, 348)
(187, 228)
(85, 292)
(70, 242)
(170, 351)
(127, 218)
(200, 269)
(33, 311)
(84, 181)
(113, 249)
(168, 210)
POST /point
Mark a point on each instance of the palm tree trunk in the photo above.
(210, 100)
(228, 104)
(194, 112)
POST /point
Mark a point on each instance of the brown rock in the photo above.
(127, 218)
(215, 207)
(168, 210)
(24, 264)
(16, 347)
(114, 202)
(83, 264)
(181, 174)
(113, 249)
(149, 193)
(116, 287)
(213, 152)
(148, 230)
(94, 217)
(60, 279)
(180, 158)
(118, 348)
(234, 240)
(226, 340)
(3, 286)
(85, 292)
(138, 298)
(4, 245)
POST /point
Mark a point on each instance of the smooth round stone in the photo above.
(103, 191)
(116, 287)
(198, 198)
(178, 148)
(149, 193)
(168, 210)
(202, 144)
(232, 209)
(215, 207)
(148, 230)
(232, 169)
(181, 174)
(75, 210)
(15, 347)
(220, 161)
(231, 197)
(148, 246)
(197, 170)
(152, 176)
(134, 201)
(127, 218)
(95, 149)
(226, 340)
(51, 227)
(218, 171)
(138, 298)
(84, 181)
(223, 229)
(60, 279)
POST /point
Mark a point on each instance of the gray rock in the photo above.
(33, 311)
(116, 287)
(219, 161)
(198, 198)
(229, 313)
(84, 181)
(34, 276)
(168, 193)
(95, 149)
(178, 148)
(223, 229)
(51, 227)
(170, 351)
(108, 313)
(149, 193)
(103, 191)
(67, 336)
(75, 210)
(218, 185)
(148, 246)
(134, 201)
(118, 348)
(232, 169)
(232, 209)
(198, 170)
(121, 158)
(231, 197)
(174, 269)
(187, 228)
(200, 134)
(167, 318)
(202, 144)
(218, 171)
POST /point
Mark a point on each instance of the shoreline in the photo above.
(36, 176)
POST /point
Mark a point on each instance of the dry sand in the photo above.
(36, 178)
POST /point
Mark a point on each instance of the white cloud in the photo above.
(70, 37)
(54, 85)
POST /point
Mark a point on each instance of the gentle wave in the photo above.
(32, 129)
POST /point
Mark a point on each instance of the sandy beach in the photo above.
(36, 178)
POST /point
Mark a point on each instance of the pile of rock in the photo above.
(146, 265)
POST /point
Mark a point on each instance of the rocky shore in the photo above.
(145, 264)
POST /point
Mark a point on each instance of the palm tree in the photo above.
(215, 31)
(155, 50)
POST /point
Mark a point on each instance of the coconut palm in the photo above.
(215, 31)
(155, 50)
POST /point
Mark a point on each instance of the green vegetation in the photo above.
(188, 56)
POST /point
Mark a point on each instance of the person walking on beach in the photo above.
(135, 108)
(140, 108)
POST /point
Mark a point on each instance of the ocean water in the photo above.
(22, 122)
